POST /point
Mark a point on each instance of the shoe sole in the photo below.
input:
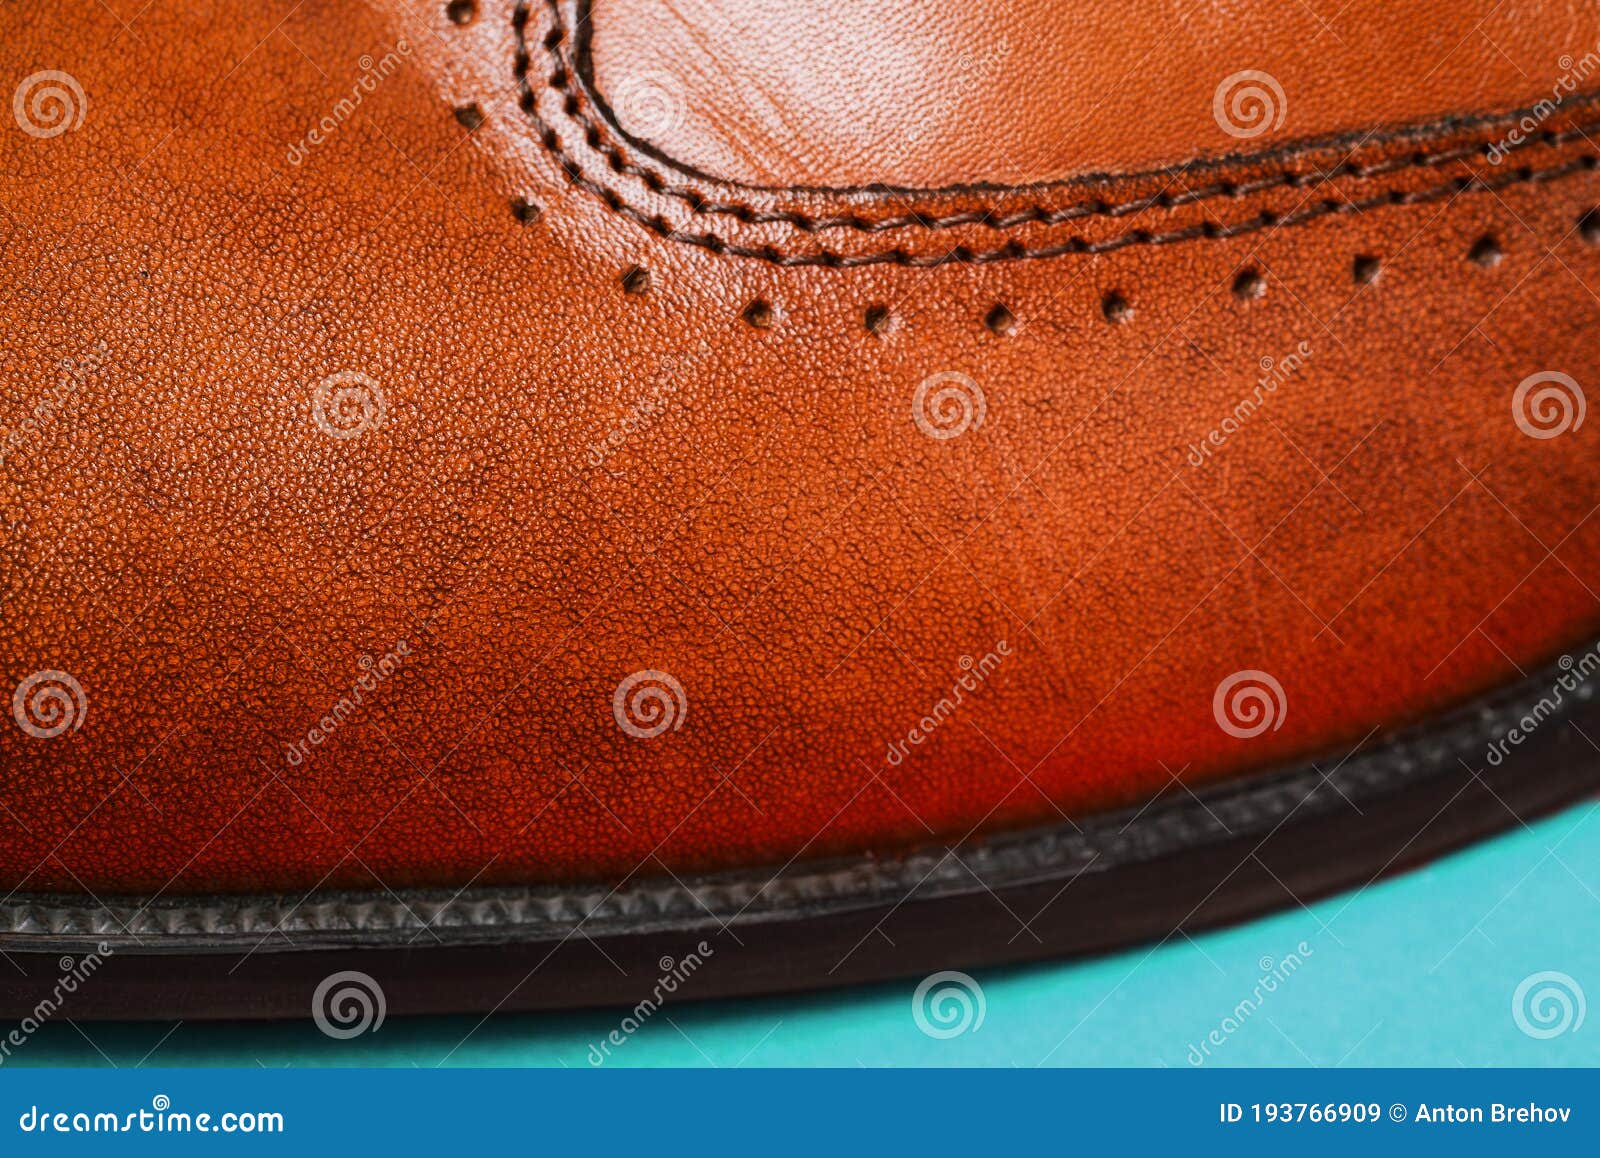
(1183, 863)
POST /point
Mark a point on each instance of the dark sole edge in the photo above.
(1305, 834)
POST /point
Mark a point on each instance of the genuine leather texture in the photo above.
(765, 92)
(395, 365)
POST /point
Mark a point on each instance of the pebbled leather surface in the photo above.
(772, 93)
(1251, 811)
(718, 476)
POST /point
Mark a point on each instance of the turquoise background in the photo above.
(1417, 970)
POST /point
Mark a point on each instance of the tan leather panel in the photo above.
(434, 361)
(769, 92)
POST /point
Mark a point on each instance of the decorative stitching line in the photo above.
(503, 913)
(1016, 251)
(596, 138)
(580, 109)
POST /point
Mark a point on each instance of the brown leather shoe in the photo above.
(487, 477)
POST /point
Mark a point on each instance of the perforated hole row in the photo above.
(1249, 284)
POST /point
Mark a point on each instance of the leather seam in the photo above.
(1113, 839)
(559, 83)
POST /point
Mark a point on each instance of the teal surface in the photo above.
(1421, 969)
